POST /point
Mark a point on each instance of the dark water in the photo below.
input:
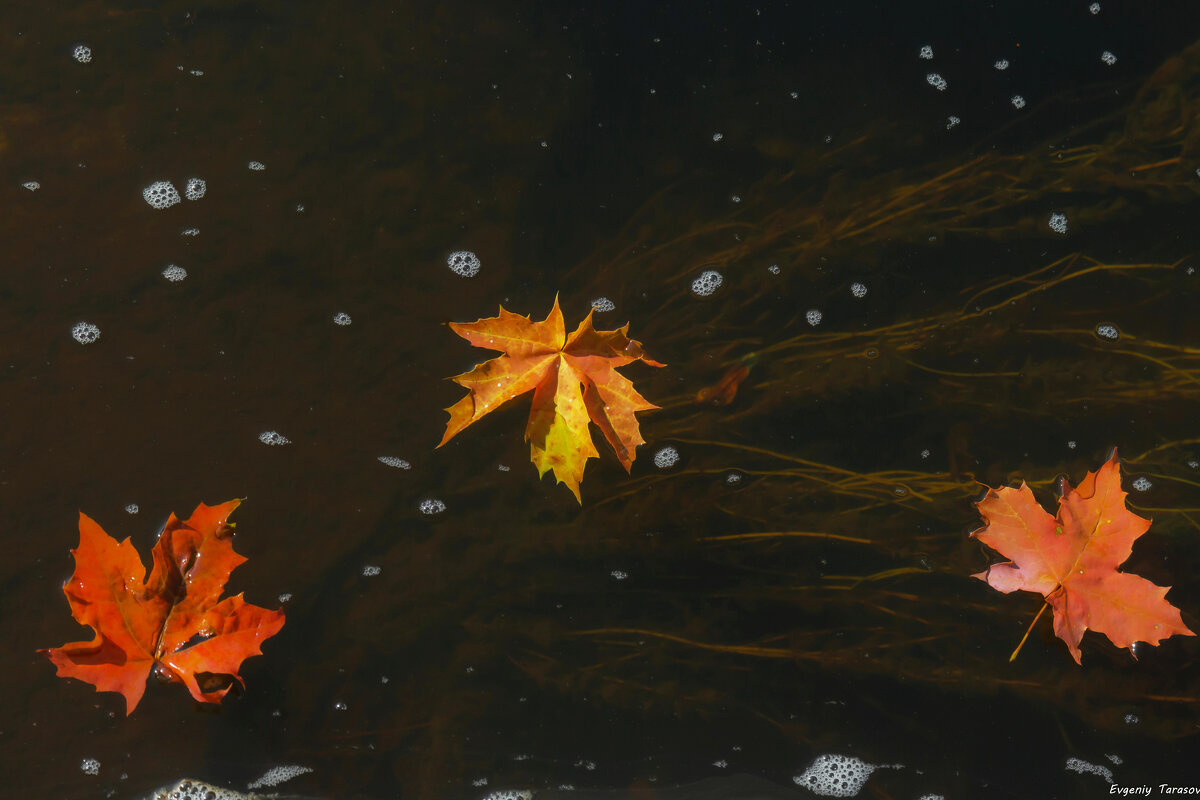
(603, 150)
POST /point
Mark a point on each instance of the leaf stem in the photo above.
(1013, 657)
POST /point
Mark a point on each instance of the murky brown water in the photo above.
(797, 584)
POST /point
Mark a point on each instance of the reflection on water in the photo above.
(894, 291)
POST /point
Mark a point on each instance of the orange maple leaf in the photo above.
(1072, 559)
(573, 379)
(173, 621)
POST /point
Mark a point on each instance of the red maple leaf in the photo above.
(1071, 560)
(174, 621)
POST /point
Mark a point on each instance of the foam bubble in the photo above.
(464, 263)
(132, 508)
(1108, 332)
(718, 137)
(1001, 64)
(773, 269)
(195, 790)
(835, 776)
(1018, 101)
(273, 438)
(161, 194)
(1108, 58)
(1084, 768)
(174, 273)
(603, 304)
(708, 282)
(813, 317)
(432, 506)
(368, 571)
(1094, 8)
(1058, 222)
(509, 794)
(926, 53)
(190, 232)
(90, 766)
(666, 458)
(619, 575)
(1131, 719)
(277, 775)
(257, 166)
(85, 332)
(392, 461)
(82, 53)
(341, 318)
(937, 81)
(951, 121)
(858, 289)
(195, 188)
(1143, 484)
(32, 186)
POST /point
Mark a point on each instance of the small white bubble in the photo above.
(737, 198)
(1001, 64)
(190, 232)
(276, 775)
(340, 706)
(194, 189)
(951, 121)
(272, 438)
(1131, 719)
(174, 273)
(722, 763)
(32, 186)
(479, 782)
(603, 304)
(1108, 58)
(733, 478)
(257, 166)
(926, 52)
(1107, 331)
(286, 597)
(1018, 101)
(1058, 222)
(90, 766)
(619, 575)
(85, 332)
(1114, 758)
(432, 506)
(392, 461)
(464, 263)
(1094, 8)
(1142, 484)
(666, 458)
(82, 53)
(341, 318)
(718, 137)
(1072, 444)
(196, 72)
(708, 282)
(858, 289)
(1194, 464)
(937, 81)
(773, 269)
(503, 467)
(924, 454)
(813, 317)
(132, 508)
(370, 571)
(161, 194)
(795, 95)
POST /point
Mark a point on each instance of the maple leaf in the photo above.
(1072, 559)
(174, 621)
(573, 379)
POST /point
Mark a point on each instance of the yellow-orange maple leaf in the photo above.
(573, 379)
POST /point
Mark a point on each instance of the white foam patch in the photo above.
(341, 318)
(708, 282)
(32, 186)
(277, 775)
(666, 458)
(835, 776)
(509, 794)
(195, 188)
(392, 461)
(161, 194)
(1084, 768)
(90, 766)
(432, 506)
(85, 333)
(273, 438)
(188, 789)
(82, 53)
(174, 273)
(464, 263)
(603, 304)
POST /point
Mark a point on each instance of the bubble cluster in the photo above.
(603, 304)
(277, 775)
(392, 461)
(1072, 444)
(924, 454)
(1084, 768)
(90, 766)
(32, 186)
(432, 506)
(773, 269)
(951, 121)
(509, 794)
(1001, 64)
(720, 763)
(619, 575)
(666, 458)
(161, 194)
(195, 790)
(733, 478)
(464, 263)
(708, 282)
(190, 232)
(926, 52)
(858, 289)
(174, 273)
(1108, 331)
(718, 137)
(1094, 8)
(1108, 58)
(369, 571)
(1131, 719)
(257, 166)
(937, 81)
(813, 317)
(1058, 222)
(195, 188)
(82, 53)
(85, 332)
(1018, 101)
(1142, 484)
(273, 438)
(341, 318)
(835, 776)
(132, 508)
